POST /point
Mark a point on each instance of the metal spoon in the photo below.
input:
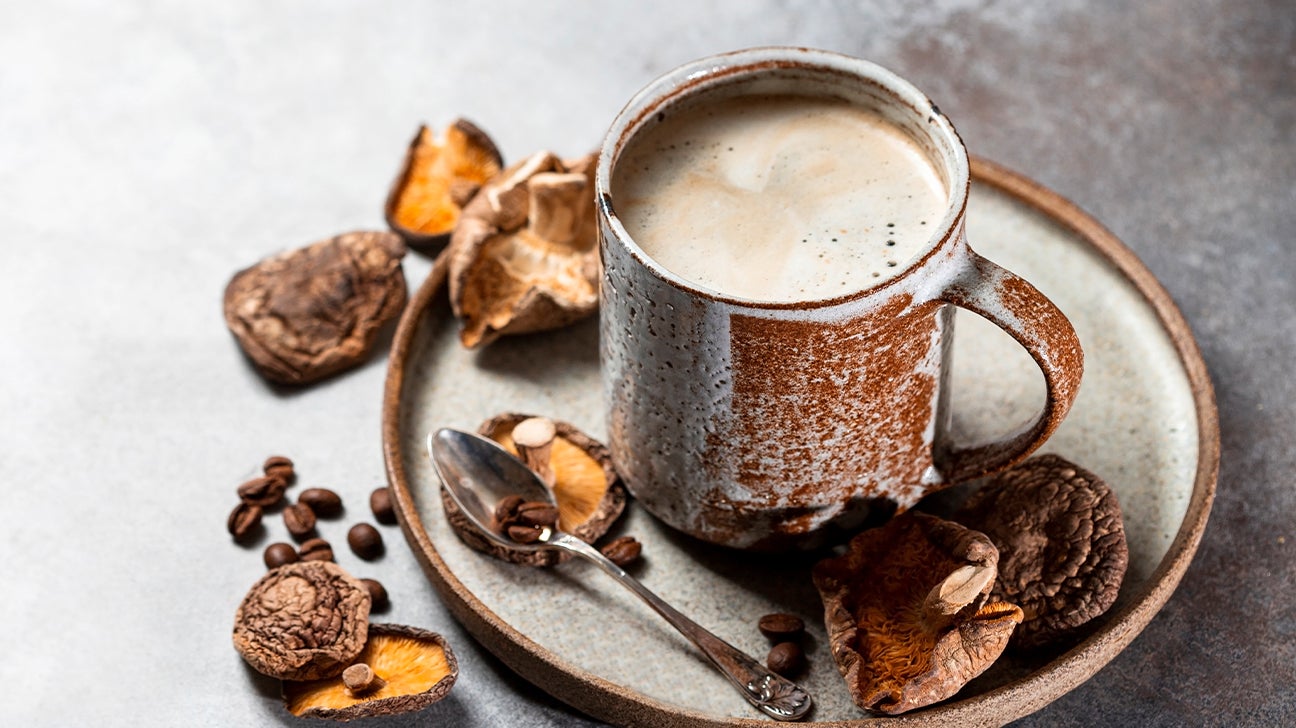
(478, 473)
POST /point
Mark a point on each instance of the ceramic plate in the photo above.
(1145, 421)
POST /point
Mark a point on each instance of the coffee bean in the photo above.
(538, 514)
(300, 520)
(380, 503)
(377, 595)
(278, 554)
(781, 627)
(365, 541)
(243, 520)
(523, 534)
(785, 658)
(264, 492)
(316, 549)
(323, 501)
(622, 551)
(506, 511)
(277, 463)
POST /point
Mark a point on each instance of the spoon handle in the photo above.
(775, 696)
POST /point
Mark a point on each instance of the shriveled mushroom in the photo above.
(1061, 540)
(907, 615)
(436, 180)
(402, 669)
(524, 256)
(308, 313)
(590, 496)
(303, 621)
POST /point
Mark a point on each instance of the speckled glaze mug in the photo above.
(768, 425)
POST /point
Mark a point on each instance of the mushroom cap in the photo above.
(436, 180)
(1061, 541)
(906, 613)
(524, 257)
(305, 314)
(417, 666)
(303, 621)
(590, 495)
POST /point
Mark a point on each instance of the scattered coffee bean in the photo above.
(316, 549)
(380, 503)
(300, 520)
(537, 514)
(785, 658)
(278, 554)
(243, 520)
(377, 595)
(278, 465)
(365, 541)
(622, 551)
(264, 492)
(323, 501)
(523, 534)
(781, 627)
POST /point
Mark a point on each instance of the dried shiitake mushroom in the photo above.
(401, 670)
(907, 615)
(308, 313)
(436, 180)
(589, 494)
(1061, 540)
(524, 256)
(303, 621)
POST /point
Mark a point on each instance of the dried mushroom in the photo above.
(524, 256)
(590, 496)
(907, 613)
(303, 621)
(401, 670)
(308, 313)
(436, 180)
(1061, 540)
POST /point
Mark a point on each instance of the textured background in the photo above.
(150, 149)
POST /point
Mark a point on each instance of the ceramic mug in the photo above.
(766, 425)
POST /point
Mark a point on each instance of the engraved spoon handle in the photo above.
(775, 696)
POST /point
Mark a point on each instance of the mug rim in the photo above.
(684, 80)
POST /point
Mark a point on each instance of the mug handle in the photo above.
(1035, 322)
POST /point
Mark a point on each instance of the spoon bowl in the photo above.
(478, 474)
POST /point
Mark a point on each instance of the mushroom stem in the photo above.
(534, 440)
(962, 587)
(360, 679)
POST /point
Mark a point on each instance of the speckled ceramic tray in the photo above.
(1145, 421)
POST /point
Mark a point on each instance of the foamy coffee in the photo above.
(778, 197)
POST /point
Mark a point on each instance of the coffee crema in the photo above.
(778, 198)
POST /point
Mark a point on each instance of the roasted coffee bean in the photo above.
(280, 466)
(538, 514)
(265, 491)
(278, 554)
(781, 627)
(523, 534)
(506, 511)
(323, 501)
(380, 503)
(316, 549)
(622, 551)
(785, 658)
(299, 519)
(377, 595)
(365, 541)
(243, 520)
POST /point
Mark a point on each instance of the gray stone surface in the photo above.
(149, 150)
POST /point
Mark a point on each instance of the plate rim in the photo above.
(605, 700)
